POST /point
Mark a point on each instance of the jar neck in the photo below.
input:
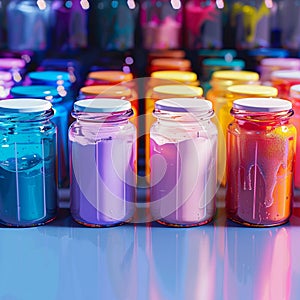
(262, 118)
(26, 118)
(109, 117)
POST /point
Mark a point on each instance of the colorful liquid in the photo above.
(260, 174)
(183, 180)
(102, 181)
(27, 179)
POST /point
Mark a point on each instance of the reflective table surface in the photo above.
(221, 260)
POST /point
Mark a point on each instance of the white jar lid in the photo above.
(295, 91)
(24, 105)
(286, 74)
(102, 105)
(183, 105)
(262, 104)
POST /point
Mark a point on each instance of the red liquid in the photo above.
(260, 173)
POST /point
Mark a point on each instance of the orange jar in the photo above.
(165, 64)
(218, 95)
(261, 145)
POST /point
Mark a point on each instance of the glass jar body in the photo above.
(103, 159)
(33, 30)
(183, 162)
(28, 191)
(260, 165)
(161, 25)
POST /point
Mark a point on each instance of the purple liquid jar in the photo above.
(102, 158)
(183, 157)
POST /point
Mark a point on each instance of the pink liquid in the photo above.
(183, 181)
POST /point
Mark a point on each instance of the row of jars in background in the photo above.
(183, 150)
(159, 24)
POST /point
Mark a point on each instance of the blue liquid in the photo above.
(27, 179)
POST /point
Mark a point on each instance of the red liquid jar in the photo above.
(261, 144)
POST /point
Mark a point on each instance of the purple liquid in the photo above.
(183, 181)
(103, 182)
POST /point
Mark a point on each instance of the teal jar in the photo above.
(28, 191)
(60, 119)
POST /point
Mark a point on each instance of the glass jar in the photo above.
(28, 25)
(210, 65)
(112, 24)
(69, 24)
(161, 22)
(269, 65)
(28, 192)
(107, 77)
(261, 144)
(165, 92)
(6, 83)
(295, 98)
(16, 66)
(203, 21)
(251, 20)
(166, 64)
(283, 80)
(183, 152)
(221, 81)
(103, 159)
(60, 119)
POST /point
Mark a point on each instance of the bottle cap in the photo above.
(102, 105)
(183, 105)
(24, 105)
(262, 104)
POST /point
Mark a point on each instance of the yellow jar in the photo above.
(164, 92)
(218, 95)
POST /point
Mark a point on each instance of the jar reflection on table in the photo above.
(183, 161)
(257, 263)
(103, 159)
(261, 144)
(27, 165)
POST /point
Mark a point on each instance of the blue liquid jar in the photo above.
(60, 119)
(28, 25)
(112, 24)
(28, 191)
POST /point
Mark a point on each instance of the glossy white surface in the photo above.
(221, 260)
